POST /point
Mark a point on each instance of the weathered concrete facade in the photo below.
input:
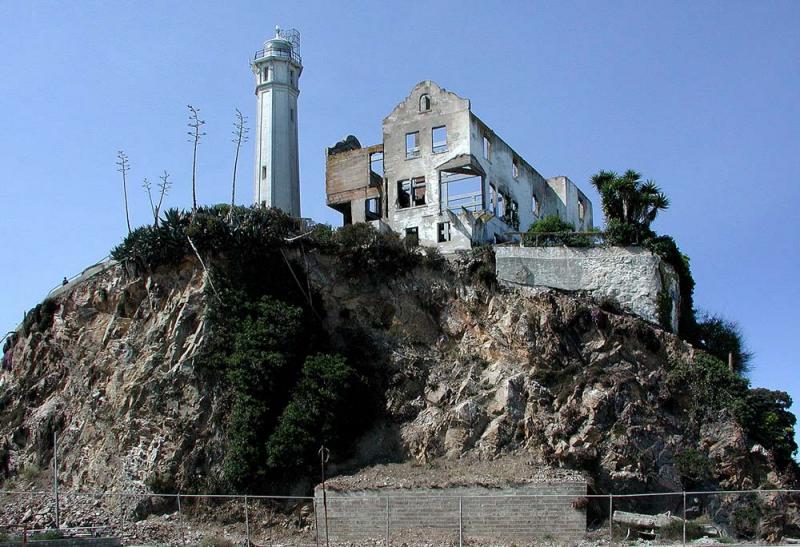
(635, 278)
(514, 514)
(443, 175)
(277, 69)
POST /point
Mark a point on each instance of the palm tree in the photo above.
(627, 199)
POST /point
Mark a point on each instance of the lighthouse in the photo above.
(277, 68)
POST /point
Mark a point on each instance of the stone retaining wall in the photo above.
(632, 276)
(513, 514)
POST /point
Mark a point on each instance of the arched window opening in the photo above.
(425, 103)
(536, 206)
(581, 210)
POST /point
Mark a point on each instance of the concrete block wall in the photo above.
(511, 514)
(632, 276)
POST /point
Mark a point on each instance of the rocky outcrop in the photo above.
(469, 371)
(113, 376)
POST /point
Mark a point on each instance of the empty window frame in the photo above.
(581, 210)
(376, 163)
(425, 103)
(291, 114)
(411, 193)
(418, 191)
(412, 236)
(443, 232)
(372, 208)
(439, 139)
(263, 171)
(412, 145)
(491, 204)
(487, 147)
(266, 73)
(291, 78)
(460, 191)
(515, 168)
(536, 206)
(501, 205)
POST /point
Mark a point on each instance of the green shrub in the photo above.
(363, 249)
(664, 305)
(552, 231)
(693, 466)
(764, 414)
(40, 317)
(213, 230)
(745, 516)
(768, 420)
(319, 412)
(665, 247)
(674, 530)
(719, 337)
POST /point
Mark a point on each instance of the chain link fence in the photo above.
(746, 517)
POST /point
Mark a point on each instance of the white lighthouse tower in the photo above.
(277, 68)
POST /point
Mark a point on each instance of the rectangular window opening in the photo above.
(515, 168)
(372, 208)
(376, 163)
(412, 145)
(291, 114)
(439, 139)
(460, 191)
(443, 232)
(418, 187)
(403, 194)
(487, 147)
(263, 171)
(412, 236)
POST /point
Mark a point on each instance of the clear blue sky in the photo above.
(703, 97)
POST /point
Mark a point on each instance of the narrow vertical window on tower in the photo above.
(263, 171)
(291, 114)
(291, 78)
(412, 145)
(439, 139)
(425, 103)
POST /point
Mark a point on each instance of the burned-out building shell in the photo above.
(443, 176)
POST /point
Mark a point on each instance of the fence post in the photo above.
(460, 523)
(684, 518)
(316, 520)
(122, 514)
(56, 507)
(180, 520)
(611, 518)
(387, 521)
(246, 521)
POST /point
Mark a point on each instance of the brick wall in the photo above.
(512, 514)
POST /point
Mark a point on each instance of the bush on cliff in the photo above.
(712, 387)
(721, 337)
(552, 231)
(319, 412)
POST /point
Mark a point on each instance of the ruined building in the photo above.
(277, 68)
(443, 176)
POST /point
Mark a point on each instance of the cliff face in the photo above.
(469, 371)
(113, 376)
